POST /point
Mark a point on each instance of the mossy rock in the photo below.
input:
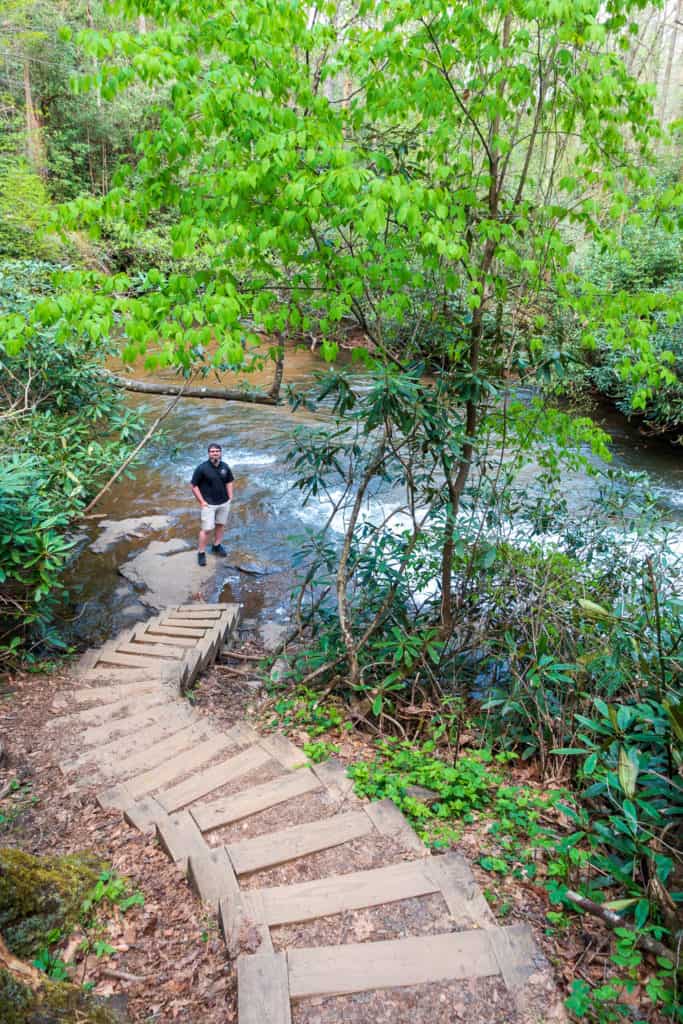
(40, 894)
(52, 1003)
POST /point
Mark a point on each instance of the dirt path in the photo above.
(331, 909)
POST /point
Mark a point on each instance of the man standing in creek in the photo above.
(212, 487)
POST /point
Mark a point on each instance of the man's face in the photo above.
(214, 456)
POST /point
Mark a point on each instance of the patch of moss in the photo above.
(40, 894)
(53, 1003)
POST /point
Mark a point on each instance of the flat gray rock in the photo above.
(167, 573)
(114, 530)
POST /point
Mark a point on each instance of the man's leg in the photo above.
(207, 524)
(219, 532)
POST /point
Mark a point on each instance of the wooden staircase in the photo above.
(198, 788)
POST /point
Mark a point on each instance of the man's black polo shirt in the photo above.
(211, 481)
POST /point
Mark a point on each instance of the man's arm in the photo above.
(198, 495)
(228, 488)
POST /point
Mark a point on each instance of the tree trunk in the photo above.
(35, 147)
(666, 84)
(226, 394)
(20, 971)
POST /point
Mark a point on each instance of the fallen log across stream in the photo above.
(226, 394)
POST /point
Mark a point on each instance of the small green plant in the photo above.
(605, 1003)
(302, 708)
(461, 789)
(110, 888)
(320, 751)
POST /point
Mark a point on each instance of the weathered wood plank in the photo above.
(240, 915)
(122, 728)
(263, 989)
(251, 801)
(206, 781)
(388, 820)
(297, 841)
(211, 876)
(171, 768)
(283, 750)
(152, 651)
(144, 814)
(190, 612)
(104, 694)
(176, 631)
(333, 775)
(463, 896)
(126, 660)
(124, 707)
(180, 838)
(179, 742)
(188, 622)
(362, 966)
(286, 904)
(141, 636)
(517, 954)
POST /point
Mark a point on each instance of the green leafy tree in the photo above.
(428, 169)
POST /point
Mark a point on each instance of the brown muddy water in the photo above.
(267, 517)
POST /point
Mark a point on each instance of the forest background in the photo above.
(492, 194)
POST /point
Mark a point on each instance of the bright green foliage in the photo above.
(462, 788)
(63, 430)
(647, 271)
(476, 140)
(24, 212)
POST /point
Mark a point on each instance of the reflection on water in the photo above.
(267, 515)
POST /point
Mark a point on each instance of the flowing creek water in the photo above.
(267, 515)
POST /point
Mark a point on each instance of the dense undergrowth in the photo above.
(565, 659)
(643, 267)
(63, 432)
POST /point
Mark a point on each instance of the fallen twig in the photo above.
(243, 657)
(613, 920)
(235, 671)
(113, 972)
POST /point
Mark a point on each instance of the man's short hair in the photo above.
(214, 446)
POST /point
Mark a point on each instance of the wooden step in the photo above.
(259, 798)
(115, 752)
(211, 876)
(151, 651)
(181, 763)
(175, 631)
(190, 612)
(125, 660)
(266, 851)
(204, 782)
(391, 822)
(287, 904)
(183, 740)
(465, 900)
(180, 838)
(188, 622)
(393, 963)
(263, 989)
(124, 707)
(104, 694)
(120, 728)
(141, 636)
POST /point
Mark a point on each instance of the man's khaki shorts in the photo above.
(214, 515)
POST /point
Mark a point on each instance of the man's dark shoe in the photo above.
(201, 557)
(218, 549)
